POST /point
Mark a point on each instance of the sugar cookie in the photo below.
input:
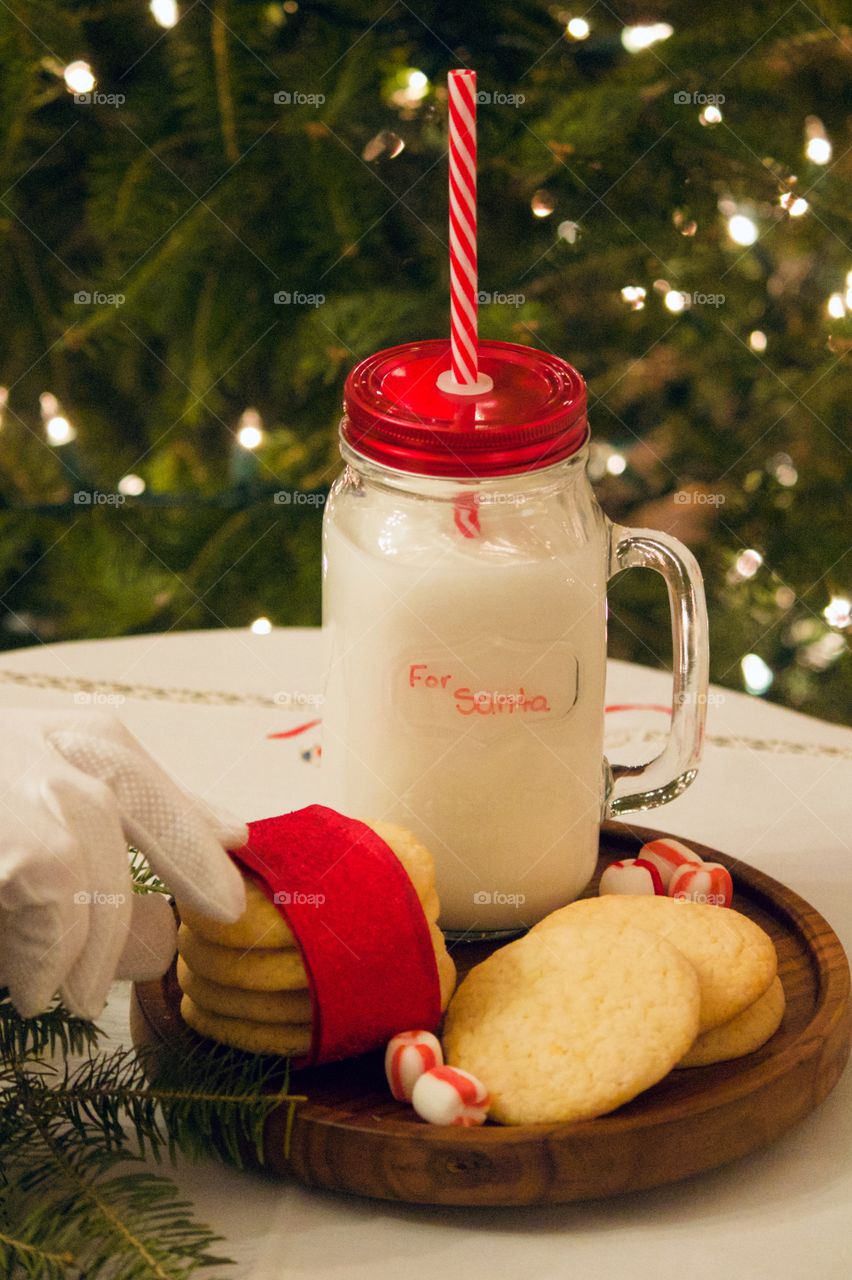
(743, 1034)
(258, 969)
(255, 1037)
(239, 1002)
(571, 1022)
(734, 958)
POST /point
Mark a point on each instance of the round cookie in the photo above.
(260, 925)
(733, 957)
(743, 1034)
(279, 969)
(445, 963)
(263, 925)
(255, 1037)
(414, 856)
(431, 906)
(260, 969)
(239, 1002)
(570, 1023)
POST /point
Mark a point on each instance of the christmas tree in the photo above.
(210, 211)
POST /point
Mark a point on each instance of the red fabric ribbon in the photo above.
(359, 924)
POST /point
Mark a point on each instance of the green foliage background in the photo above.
(199, 197)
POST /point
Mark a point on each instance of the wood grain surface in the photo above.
(351, 1136)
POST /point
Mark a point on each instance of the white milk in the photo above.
(466, 689)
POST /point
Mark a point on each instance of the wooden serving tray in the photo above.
(351, 1136)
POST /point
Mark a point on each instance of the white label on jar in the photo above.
(487, 687)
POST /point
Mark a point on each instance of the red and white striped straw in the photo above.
(463, 269)
(463, 309)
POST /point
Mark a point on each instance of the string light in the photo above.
(818, 149)
(675, 301)
(543, 203)
(79, 77)
(568, 231)
(742, 229)
(795, 205)
(412, 90)
(386, 145)
(710, 115)
(780, 465)
(821, 653)
(757, 676)
(686, 226)
(131, 485)
(635, 39)
(836, 306)
(250, 429)
(57, 428)
(757, 341)
(4, 400)
(838, 612)
(634, 295)
(747, 563)
(260, 627)
(578, 29)
(165, 12)
(616, 464)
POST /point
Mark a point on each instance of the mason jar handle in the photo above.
(671, 772)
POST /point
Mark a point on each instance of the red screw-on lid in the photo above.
(534, 416)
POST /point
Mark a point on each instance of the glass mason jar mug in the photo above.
(465, 564)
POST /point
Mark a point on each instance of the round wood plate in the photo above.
(351, 1136)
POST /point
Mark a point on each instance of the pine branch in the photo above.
(70, 1206)
(63, 1141)
(224, 94)
(71, 1197)
(178, 1101)
(226, 1096)
(144, 879)
(29, 1259)
(45, 1033)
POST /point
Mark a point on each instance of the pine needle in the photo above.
(56, 1029)
(144, 879)
(75, 1201)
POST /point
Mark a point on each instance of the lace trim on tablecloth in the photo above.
(222, 698)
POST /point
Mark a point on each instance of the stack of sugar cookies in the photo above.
(604, 997)
(300, 960)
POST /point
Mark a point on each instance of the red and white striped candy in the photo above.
(461, 86)
(710, 882)
(631, 875)
(407, 1056)
(448, 1095)
(667, 855)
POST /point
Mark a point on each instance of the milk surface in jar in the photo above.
(465, 691)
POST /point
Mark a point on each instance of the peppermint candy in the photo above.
(710, 883)
(450, 1096)
(407, 1057)
(667, 855)
(631, 875)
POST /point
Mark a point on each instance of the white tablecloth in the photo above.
(774, 789)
